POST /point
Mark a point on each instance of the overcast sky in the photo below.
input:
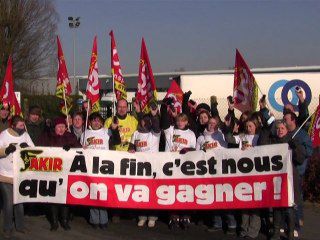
(194, 35)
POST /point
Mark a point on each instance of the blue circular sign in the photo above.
(291, 85)
(286, 87)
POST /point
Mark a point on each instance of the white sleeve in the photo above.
(3, 142)
(133, 137)
(199, 142)
(237, 139)
(28, 140)
(168, 130)
(193, 139)
(168, 138)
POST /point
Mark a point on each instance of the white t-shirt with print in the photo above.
(146, 142)
(251, 139)
(177, 139)
(211, 140)
(97, 139)
(6, 163)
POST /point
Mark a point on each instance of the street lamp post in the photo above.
(74, 22)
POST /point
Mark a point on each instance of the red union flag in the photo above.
(244, 88)
(7, 95)
(176, 93)
(63, 89)
(119, 84)
(314, 130)
(147, 92)
(93, 85)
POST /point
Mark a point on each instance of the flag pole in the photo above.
(65, 105)
(267, 105)
(258, 87)
(305, 121)
(113, 94)
(87, 116)
(86, 123)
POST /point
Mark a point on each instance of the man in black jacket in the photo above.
(34, 123)
(298, 153)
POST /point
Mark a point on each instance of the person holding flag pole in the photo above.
(245, 92)
(302, 138)
(127, 123)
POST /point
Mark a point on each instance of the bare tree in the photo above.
(27, 31)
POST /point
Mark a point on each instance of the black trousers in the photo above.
(59, 212)
(280, 214)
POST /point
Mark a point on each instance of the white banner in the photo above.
(216, 179)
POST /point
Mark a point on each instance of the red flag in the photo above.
(244, 88)
(314, 130)
(147, 91)
(119, 84)
(93, 85)
(176, 93)
(8, 97)
(63, 89)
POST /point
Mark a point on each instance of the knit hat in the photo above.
(59, 120)
(203, 106)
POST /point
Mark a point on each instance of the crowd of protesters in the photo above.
(198, 127)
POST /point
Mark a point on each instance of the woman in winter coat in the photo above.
(60, 137)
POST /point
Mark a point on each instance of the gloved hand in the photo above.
(183, 151)
(66, 147)
(10, 149)
(187, 95)
(168, 101)
(24, 145)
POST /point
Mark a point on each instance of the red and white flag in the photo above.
(176, 94)
(7, 95)
(314, 129)
(245, 91)
(63, 89)
(93, 86)
(119, 84)
(147, 91)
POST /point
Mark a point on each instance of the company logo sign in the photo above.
(287, 86)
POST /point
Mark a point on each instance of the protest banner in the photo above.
(217, 179)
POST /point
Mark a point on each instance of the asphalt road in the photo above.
(40, 229)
